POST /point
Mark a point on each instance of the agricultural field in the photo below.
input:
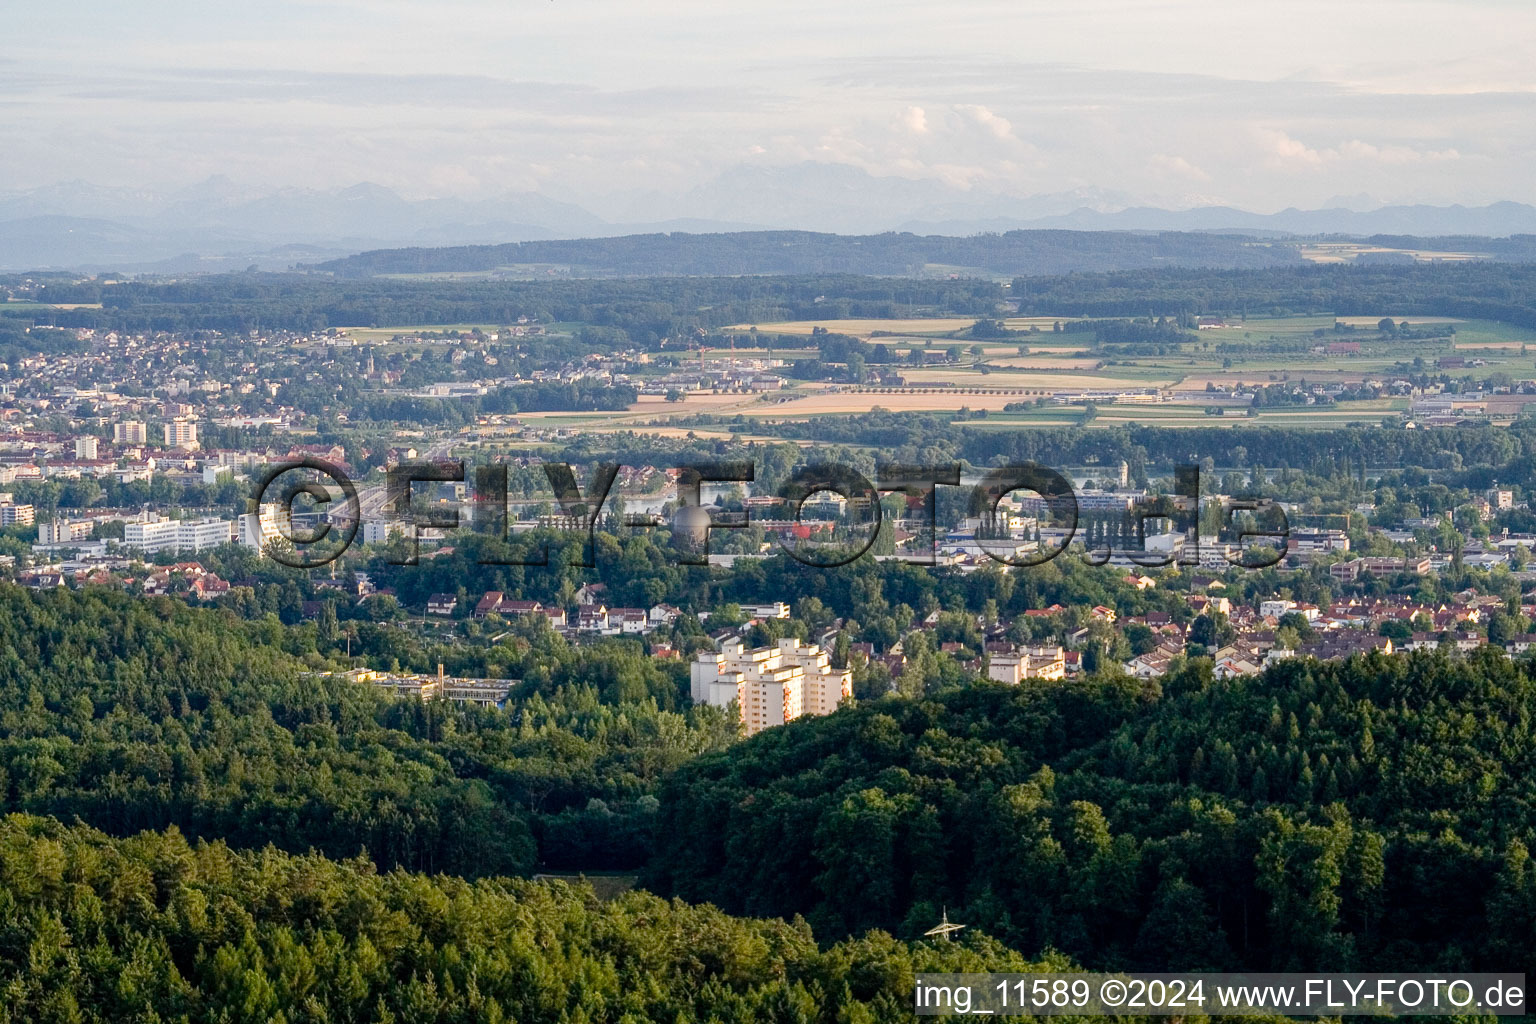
(1185, 415)
(1247, 351)
(933, 327)
(1256, 351)
(1042, 362)
(965, 377)
(1348, 252)
(844, 402)
(900, 329)
(739, 352)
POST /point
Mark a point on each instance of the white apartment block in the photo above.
(151, 536)
(1035, 663)
(181, 433)
(12, 514)
(770, 685)
(378, 531)
(63, 531)
(202, 534)
(156, 534)
(270, 523)
(130, 432)
(85, 447)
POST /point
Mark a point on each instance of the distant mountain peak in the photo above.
(220, 216)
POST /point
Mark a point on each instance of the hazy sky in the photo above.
(1259, 104)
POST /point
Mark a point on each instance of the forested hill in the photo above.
(130, 713)
(154, 929)
(806, 252)
(650, 309)
(1366, 815)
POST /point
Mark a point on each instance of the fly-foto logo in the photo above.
(859, 523)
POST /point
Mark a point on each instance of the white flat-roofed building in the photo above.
(181, 433)
(12, 514)
(378, 531)
(63, 531)
(130, 432)
(152, 535)
(202, 534)
(1034, 663)
(271, 522)
(770, 685)
(485, 692)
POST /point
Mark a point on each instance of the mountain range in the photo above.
(220, 225)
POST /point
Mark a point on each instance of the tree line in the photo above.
(157, 928)
(1359, 815)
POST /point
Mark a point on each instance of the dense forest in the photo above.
(1374, 814)
(143, 713)
(806, 252)
(1478, 290)
(1475, 455)
(1368, 814)
(648, 309)
(155, 928)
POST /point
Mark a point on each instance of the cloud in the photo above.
(1177, 165)
(1285, 149)
(1181, 96)
(984, 117)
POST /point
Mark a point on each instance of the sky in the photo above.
(1261, 105)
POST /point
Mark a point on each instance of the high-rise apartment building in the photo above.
(130, 432)
(181, 433)
(12, 514)
(63, 531)
(271, 522)
(770, 685)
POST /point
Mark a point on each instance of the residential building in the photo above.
(202, 534)
(130, 432)
(63, 531)
(181, 433)
(271, 522)
(151, 535)
(770, 685)
(485, 692)
(1035, 663)
(378, 531)
(1006, 668)
(489, 602)
(154, 534)
(12, 514)
(629, 620)
(85, 448)
(1317, 541)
